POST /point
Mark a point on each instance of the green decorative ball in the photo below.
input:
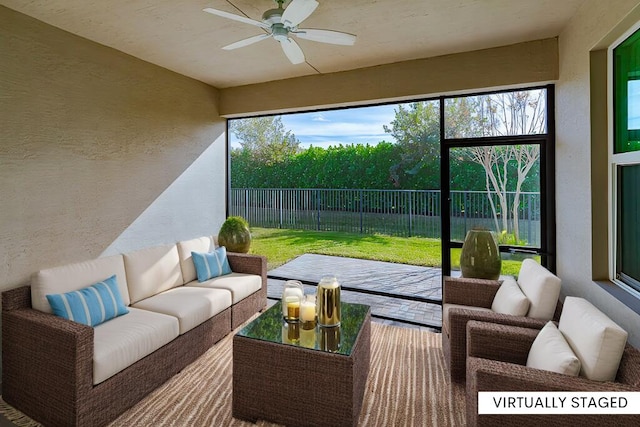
(235, 235)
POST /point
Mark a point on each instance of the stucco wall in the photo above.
(99, 152)
(517, 64)
(594, 22)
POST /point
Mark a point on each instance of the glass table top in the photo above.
(270, 326)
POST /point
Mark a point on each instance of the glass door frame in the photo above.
(547, 248)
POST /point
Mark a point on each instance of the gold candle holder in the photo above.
(292, 296)
(293, 309)
(328, 302)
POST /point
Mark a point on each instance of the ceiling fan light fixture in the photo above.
(279, 32)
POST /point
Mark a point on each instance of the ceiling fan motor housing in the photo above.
(273, 16)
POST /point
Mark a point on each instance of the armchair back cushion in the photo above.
(201, 244)
(510, 300)
(551, 352)
(595, 339)
(73, 277)
(152, 270)
(541, 287)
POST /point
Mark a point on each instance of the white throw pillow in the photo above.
(597, 340)
(541, 287)
(509, 299)
(551, 352)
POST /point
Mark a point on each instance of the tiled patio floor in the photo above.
(401, 279)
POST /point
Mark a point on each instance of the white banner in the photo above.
(558, 402)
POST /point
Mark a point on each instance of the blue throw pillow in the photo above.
(212, 264)
(92, 305)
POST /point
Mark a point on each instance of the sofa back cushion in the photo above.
(541, 287)
(201, 245)
(597, 340)
(510, 299)
(73, 277)
(152, 270)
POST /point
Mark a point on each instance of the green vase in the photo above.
(480, 256)
(235, 235)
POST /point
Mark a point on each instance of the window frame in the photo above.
(547, 248)
(617, 160)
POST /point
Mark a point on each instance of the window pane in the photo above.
(520, 112)
(626, 71)
(497, 188)
(629, 225)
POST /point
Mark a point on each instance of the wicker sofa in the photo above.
(64, 373)
(497, 362)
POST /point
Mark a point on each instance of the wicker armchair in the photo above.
(497, 355)
(474, 293)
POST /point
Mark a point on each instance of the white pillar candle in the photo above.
(308, 311)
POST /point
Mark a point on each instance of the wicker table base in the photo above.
(294, 385)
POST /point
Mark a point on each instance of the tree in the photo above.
(265, 138)
(416, 129)
(508, 113)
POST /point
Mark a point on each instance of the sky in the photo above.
(362, 125)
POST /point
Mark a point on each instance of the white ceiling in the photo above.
(178, 35)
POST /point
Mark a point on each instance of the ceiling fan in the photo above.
(280, 23)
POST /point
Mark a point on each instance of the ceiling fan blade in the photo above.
(326, 36)
(292, 50)
(246, 42)
(236, 17)
(298, 11)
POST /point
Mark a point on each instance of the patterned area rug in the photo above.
(407, 386)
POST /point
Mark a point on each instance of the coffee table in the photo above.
(288, 375)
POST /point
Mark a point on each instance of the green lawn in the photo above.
(281, 245)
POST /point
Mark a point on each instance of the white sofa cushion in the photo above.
(541, 287)
(597, 340)
(72, 277)
(122, 341)
(509, 299)
(551, 352)
(201, 244)
(190, 305)
(152, 270)
(240, 285)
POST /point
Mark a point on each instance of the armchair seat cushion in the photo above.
(597, 340)
(551, 352)
(122, 341)
(240, 285)
(191, 306)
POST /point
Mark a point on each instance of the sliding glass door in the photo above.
(497, 174)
